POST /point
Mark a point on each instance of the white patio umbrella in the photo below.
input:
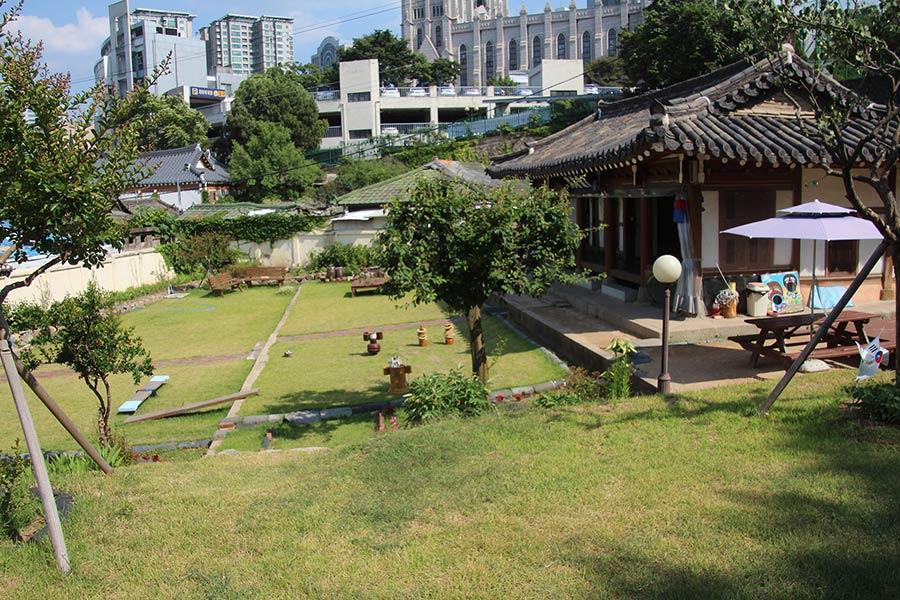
(816, 221)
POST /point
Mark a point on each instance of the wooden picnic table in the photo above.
(367, 283)
(779, 331)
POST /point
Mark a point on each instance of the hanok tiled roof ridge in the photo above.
(166, 167)
(697, 116)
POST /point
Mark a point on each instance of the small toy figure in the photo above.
(373, 347)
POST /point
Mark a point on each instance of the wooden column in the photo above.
(646, 236)
(611, 233)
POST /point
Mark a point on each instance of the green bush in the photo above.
(17, 506)
(351, 257)
(586, 385)
(200, 253)
(443, 394)
(877, 401)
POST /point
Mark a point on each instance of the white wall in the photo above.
(119, 272)
(709, 239)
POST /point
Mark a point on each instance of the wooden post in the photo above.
(826, 325)
(64, 420)
(51, 515)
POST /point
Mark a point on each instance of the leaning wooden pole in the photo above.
(64, 420)
(51, 515)
(826, 325)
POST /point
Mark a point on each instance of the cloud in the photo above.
(85, 35)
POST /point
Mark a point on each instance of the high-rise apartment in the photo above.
(247, 45)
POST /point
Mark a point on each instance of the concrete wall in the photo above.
(119, 272)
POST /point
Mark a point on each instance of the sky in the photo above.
(72, 30)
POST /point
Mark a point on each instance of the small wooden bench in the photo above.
(221, 283)
(367, 283)
(262, 275)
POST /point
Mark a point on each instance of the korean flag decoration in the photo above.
(872, 357)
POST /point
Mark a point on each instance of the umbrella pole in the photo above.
(829, 320)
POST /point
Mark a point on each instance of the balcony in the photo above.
(403, 128)
(335, 131)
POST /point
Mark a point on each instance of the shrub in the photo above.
(586, 385)
(442, 394)
(618, 376)
(200, 253)
(17, 506)
(351, 257)
(878, 401)
(558, 398)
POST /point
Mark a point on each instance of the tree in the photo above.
(397, 64)
(680, 39)
(165, 122)
(501, 81)
(608, 70)
(356, 174)
(308, 75)
(274, 97)
(444, 71)
(270, 167)
(862, 139)
(463, 243)
(62, 173)
(85, 333)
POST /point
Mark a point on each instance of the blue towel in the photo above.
(826, 297)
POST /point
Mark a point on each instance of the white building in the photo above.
(141, 40)
(363, 110)
(486, 41)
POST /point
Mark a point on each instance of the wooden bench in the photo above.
(251, 275)
(367, 283)
(221, 283)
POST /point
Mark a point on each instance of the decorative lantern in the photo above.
(373, 346)
(448, 334)
(423, 335)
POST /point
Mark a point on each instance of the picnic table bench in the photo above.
(251, 275)
(367, 283)
(840, 343)
(222, 282)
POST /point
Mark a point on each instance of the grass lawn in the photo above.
(645, 499)
(337, 370)
(205, 325)
(188, 383)
(329, 307)
(331, 433)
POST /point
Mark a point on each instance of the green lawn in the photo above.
(188, 383)
(338, 370)
(330, 433)
(645, 499)
(329, 307)
(206, 325)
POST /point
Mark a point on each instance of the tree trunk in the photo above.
(477, 345)
(896, 256)
(103, 417)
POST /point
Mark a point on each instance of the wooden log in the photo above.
(189, 408)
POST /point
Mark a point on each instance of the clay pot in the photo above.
(448, 334)
(422, 333)
(373, 347)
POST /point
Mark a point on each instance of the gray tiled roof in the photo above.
(383, 192)
(167, 167)
(710, 115)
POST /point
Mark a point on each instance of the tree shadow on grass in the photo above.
(324, 429)
(312, 400)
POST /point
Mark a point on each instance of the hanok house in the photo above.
(181, 177)
(665, 172)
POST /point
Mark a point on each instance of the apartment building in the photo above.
(243, 45)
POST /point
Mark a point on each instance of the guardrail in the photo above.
(334, 131)
(402, 128)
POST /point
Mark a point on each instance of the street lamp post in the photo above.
(666, 270)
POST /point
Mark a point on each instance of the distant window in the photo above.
(463, 65)
(586, 46)
(419, 38)
(438, 41)
(739, 207)
(535, 51)
(513, 55)
(359, 96)
(489, 59)
(561, 46)
(842, 257)
(612, 43)
(360, 134)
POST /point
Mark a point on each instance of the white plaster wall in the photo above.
(783, 248)
(709, 239)
(119, 272)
